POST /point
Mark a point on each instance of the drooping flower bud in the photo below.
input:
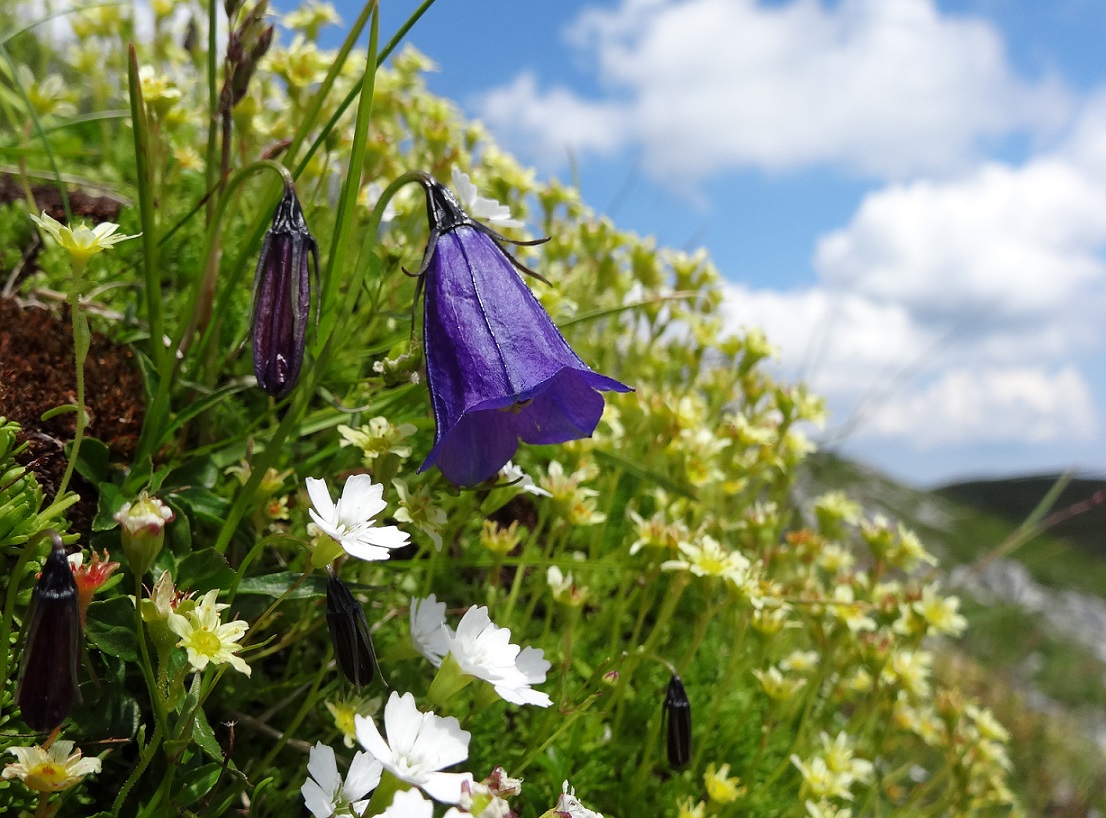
(677, 711)
(349, 632)
(498, 369)
(143, 531)
(282, 297)
(48, 672)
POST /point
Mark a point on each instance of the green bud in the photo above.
(143, 531)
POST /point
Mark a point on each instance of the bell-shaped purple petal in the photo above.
(498, 369)
(282, 298)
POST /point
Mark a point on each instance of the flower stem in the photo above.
(156, 697)
(82, 338)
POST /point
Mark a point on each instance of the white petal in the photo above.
(364, 775)
(533, 664)
(523, 694)
(428, 629)
(317, 801)
(323, 767)
(445, 787)
(371, 739)
(361, 500)
(320, 498)
(403, 723)
(384, 536)
(409, 804)
(441, 742)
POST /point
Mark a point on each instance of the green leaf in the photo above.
(92, 463)
(205, 737)
(204, 570)
(276, 585)
(203, 504)
(198, 783)
(110, 627)
(111, 500)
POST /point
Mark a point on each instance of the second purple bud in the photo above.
(282, 297)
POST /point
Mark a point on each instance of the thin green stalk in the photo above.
(351, 185)
(211, 163)
(144, 759)
(152, 268)
(82, 339)
(156, 699)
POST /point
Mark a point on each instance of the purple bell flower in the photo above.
(498, 369)
(282, 297)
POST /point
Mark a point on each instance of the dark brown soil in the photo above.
(37, 374)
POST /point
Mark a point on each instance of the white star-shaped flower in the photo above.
(428, 628)
(483, 649)
(350, 522)
(324, 792)
(480, 207)
(419, 746)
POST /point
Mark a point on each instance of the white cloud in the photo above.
(553, 122)
(885, 87)
(1003, 244)
(949, 311)
(1024, 404)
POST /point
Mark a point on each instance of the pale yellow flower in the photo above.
(53, 770)
(345, 713)
(416, 507)
(206, 638)
(800, 661)
(377, 438)
(776, 685)
(81, 242)
(985, 722)
(940, 613)
(564, 588)
(689, 809)
(838, 753)
(312, 16)
(709, 559)
(497, 539)
(910, 669)
(722, 789)
(820, 781)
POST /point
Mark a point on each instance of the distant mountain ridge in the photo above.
(1014, 498)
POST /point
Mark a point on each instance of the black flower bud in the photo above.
(677, 711)
(282, 297)
(349, 632)
(48, 670)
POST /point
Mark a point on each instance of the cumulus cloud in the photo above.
(883, 87)
(1003, 243)
(1026, 404)
(947, 311)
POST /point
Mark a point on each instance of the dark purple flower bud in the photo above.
(498, 369)
(282, 297)
(48, 671)
(677, 711)
(349, 632)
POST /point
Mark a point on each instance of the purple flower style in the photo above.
(497, 367)
(282, 297)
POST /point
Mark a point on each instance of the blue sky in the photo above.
(909, 195)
